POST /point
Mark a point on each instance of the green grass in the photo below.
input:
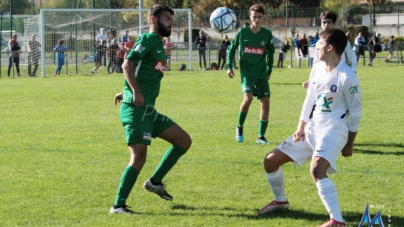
(62, 152)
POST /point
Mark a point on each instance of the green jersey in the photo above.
(256, 52)
(149, 59)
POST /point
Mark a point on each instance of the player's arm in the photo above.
(270, 56)
(354, 100)
(231, 54)
(351, 56)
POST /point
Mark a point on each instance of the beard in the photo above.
(163, 30)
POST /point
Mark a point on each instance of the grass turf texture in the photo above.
(62, 153)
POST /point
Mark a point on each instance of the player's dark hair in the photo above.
(60, 42)
(156, 10)
(257, 8)
(328, 15)
(336, 38)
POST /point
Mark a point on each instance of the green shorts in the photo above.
(142, 123)
(258, 87)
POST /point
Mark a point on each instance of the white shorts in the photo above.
(325, 143)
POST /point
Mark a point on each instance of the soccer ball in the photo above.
(223, 20)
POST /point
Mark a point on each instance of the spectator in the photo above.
(102, 36)
(359, 45)
(120, 55)
(223, 51)
(168, 47)
(282, 53)
(305, 45)
(200, 42)
(60, 50)
(124, 38)
(310, 57)
(374, 47)
(315, 38)
(15, 48)
(100, 51)
(111, 54)
(128, 46)
(392, 43)
(246, 24)
(33, 54)
(297, 43)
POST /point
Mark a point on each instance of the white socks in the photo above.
(276, 180)
(329, 197)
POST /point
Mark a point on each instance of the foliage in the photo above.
(17, 6)
(352, 13)
(373, 4)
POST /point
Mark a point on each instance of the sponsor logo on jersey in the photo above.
(246, 40)
(353, 89)
(324, 103)
(254, 50)
(159, 51)
(246, 88)
(139, 49)
(333, 88)
(159, 66)
(147, 136)
(262, 43)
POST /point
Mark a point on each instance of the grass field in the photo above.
(62, 153)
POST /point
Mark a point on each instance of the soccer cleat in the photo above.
(92, 72)
(54, 74)
(333, 223)
(262, 140)
(159, 189)
(239, 134)
(121, 210)
(370, 64)
(274, 206)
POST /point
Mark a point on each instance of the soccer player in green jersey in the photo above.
(256, 59)
(144, 69)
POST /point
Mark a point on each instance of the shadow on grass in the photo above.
(358, 148)
(352, 218)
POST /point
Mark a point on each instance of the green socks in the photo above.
(262, 127)
(241, 118)
(128, 179)
(167, 162)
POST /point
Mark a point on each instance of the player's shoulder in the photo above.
(347, 74)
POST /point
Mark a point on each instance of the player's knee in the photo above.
(186, 142)
(270, 162)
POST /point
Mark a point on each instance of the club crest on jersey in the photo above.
(139, 49)
(333, 88)
(353, 89)
(253, 50)
(159, 66)
(262, 43)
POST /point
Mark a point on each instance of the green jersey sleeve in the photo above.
(232, 50)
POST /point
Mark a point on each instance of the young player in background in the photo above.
(33, 54)
(60, 50)
(100, 52)
(256, 59)
(323, 132)
(328, 20)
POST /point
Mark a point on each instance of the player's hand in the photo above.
(299, 135)
(118, 98)
(138, 99)
(230, 73)
(305, 84)
(347, 151)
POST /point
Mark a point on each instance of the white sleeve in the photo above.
(309, 101)
(353, 97)
(351, 55)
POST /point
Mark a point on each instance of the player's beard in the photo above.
(163, 30)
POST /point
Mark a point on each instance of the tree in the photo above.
(373, 4)
(17, 6)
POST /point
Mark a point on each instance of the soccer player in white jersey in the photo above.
(324, 131)
(328, 20)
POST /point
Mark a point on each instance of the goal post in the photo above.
(79, 27)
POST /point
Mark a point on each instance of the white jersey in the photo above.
(349, 54)
(332, 97)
